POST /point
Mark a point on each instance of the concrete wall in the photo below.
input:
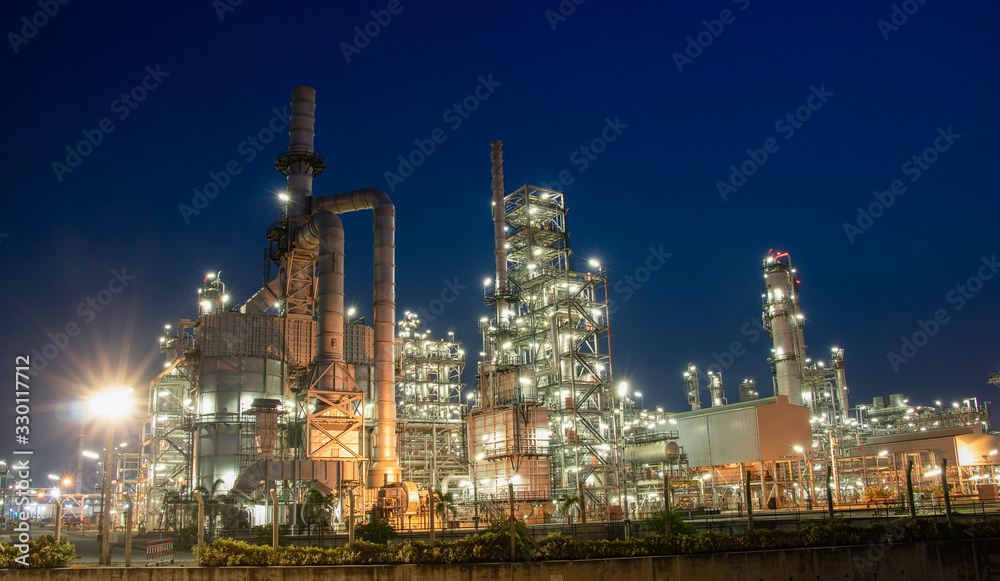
(972, 560)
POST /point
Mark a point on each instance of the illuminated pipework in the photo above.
(782, 317)
(691, 379)
(837, 364)
(748, 389)
(715, 388)
(212, 297)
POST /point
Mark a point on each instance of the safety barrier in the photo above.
(159, 552)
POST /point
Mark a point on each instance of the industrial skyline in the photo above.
(179, 181)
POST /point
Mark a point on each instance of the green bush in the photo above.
(377, 531)
(43, 553)
(658, 524)
(263, 535)
(227, 552)
(492, 546)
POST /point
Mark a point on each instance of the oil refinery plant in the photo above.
(286, 390)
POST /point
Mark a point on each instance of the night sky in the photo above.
(692, 138)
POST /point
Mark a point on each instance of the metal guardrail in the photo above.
(159, 552)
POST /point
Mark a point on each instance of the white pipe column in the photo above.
(837, 362)
(385, 466)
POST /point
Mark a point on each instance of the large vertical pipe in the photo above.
(499, 233)
(325, 232)
(385, 467)
(837, 361)
(300, 141)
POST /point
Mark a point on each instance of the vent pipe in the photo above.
(499, 233)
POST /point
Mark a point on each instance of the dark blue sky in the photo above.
(552, 92)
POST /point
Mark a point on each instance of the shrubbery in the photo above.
(376, 531)
(43, 553)
(263, 535)
(494, 546)
(656, 523)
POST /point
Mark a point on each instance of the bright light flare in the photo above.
(112, 404)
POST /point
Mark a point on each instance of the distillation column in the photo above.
(691, 380)
(782, 317)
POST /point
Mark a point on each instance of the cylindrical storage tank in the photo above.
(896, 400)
(879, 402)
(228, 387)
(652, 453)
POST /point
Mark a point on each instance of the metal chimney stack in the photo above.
(300, 163)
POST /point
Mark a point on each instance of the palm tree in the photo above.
(318, 507)
(213, 504)
(568, 502)
(444, 503)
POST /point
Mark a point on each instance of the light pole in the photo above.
(895, 473)
(111, 405)
(619, 428)
(802, 481)
(3, 502)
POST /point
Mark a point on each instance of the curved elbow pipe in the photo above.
(385, 466)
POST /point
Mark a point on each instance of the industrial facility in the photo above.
(286, 390)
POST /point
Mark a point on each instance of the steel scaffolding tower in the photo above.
(553, 329)
(430, 419)
(166, 458)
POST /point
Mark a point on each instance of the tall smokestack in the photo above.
(499, 233)
(300, 162)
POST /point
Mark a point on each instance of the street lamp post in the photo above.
(3, 502)
(618, 425)
(111, 405)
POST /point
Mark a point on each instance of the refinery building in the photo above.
(286, 390)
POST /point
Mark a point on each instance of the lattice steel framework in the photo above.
(557, 327)
(165, 463)
(430, 419)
